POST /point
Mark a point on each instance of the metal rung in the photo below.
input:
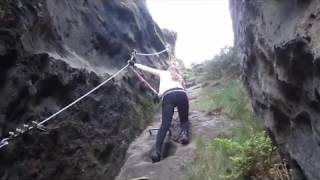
(141, 178)
(150, 131)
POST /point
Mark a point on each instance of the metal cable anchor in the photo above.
(39, 126)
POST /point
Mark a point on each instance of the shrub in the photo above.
(226, 64)
(236, 157)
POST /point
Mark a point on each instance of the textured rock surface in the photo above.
(280, 44)
(176, 157)
(171, 38)
(52, 52)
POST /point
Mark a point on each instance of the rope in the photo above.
(152, 54)
(39, 125)
(134, 53)
(79, 99)
(144, 81)
(26, 128)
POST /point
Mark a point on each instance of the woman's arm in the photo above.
(183, 84)
(148, 69)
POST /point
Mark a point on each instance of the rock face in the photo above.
(176, 158)
(177, 161)
(52, 52)
(281, 70)
(171, 38)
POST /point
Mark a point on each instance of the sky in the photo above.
(203, 26)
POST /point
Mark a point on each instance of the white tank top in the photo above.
(166, 81)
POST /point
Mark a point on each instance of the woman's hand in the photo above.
(131, 62)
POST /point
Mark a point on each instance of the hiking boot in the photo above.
(174, 133)
(184, 137)
(155, 156)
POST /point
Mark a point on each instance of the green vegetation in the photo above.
(226, 64)
(140, 116)
(232, 98)
(149, 109)
(235, 157)
(248, 153)
(185, 72)
(227, 158)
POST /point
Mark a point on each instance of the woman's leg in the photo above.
(183, 110)
(167, 113)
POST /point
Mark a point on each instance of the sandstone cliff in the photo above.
(280, 44)
(52, 52)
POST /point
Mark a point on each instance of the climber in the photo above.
(173, 94)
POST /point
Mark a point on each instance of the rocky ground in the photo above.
(175, 158)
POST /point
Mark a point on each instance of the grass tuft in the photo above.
(248, 154)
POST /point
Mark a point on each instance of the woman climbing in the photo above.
(173, 94)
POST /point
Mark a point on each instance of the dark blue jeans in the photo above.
(171, 100)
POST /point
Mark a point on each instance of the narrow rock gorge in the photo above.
(280, 44)
(52, 52)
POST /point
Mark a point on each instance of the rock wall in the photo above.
(280, 44)
(171, 38)
(52, 52)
